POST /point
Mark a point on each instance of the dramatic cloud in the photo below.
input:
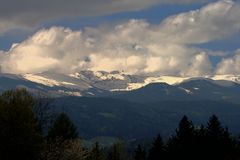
(29, 13)
(230, 65)
(135, 46)
(121, 48)
(215, 21)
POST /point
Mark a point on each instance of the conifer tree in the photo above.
(181, 144)
(63, 128)
(217, 138)
(214, 128)
(20, 137)
(156, 152)
(185, 129)
(140, 153)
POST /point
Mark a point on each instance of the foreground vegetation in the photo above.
(29, 131)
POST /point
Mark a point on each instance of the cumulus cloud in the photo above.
(64, 50)
(230, 65)
(29, 13)
(214, 21)
(134, 46)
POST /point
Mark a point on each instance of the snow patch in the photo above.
(77, 75)
(186, 90)
(78, 94)
(90, 93)
(120, 81)
(45, 81)
(233, 78)
(109, 76)
(171, 80)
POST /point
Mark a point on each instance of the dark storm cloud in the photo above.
(29, 13)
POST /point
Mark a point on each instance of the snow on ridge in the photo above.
(77, 75)
(77, 94)
(101, 75)
(108, 76)
(229, 77)
(45, 81)
(171, 80)
(93, 76)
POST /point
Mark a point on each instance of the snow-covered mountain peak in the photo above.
(171, 80)
(118, 81)
(99, 75)
(109, 76)
(96, 82)
(233, 78)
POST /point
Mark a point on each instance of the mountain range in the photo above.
(116, 104)
(134, 88)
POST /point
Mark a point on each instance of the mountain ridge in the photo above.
(125, 86)
(98, 111)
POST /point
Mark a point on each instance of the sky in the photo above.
(154, 37)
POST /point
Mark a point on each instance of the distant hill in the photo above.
(129, 120)
(132, 106)
(129, 87)
(193, 89)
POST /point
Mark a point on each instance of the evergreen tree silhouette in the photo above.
(200, 143)
(20, 137)
(157, 151)
(63, 129)
(181, 144)
(214, 128)
(185, 129)
(219, 143)
(140, 153)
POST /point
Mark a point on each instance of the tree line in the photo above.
(29, 131)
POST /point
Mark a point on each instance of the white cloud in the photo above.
(199, 65)
(230, 65)
(214, 21)
(135, 46)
